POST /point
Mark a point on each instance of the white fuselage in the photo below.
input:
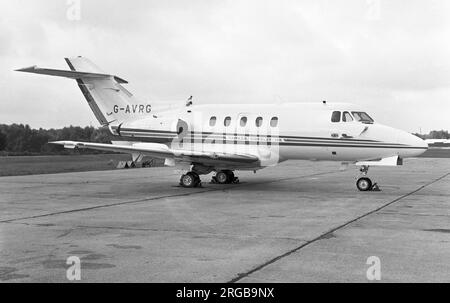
(286, 131)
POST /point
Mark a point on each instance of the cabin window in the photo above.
(212, 121)
(243, 122)
(227, 121)
(274, 122)
(346, 117)
(336, 116)
(259, 121)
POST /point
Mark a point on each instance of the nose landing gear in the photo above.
(364, 183)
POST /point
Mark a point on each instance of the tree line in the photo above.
(20, 139)
(435, 134)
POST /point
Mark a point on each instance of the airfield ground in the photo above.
(32, 165)
(298, 222)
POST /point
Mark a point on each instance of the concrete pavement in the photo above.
(298, 222)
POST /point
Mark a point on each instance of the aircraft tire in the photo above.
(190, 180)
(364, 184)
(222, 177)
(230, 175)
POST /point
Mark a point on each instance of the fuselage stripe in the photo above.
(231, 134)
(248, 138)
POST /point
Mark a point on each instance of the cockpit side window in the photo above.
(336, 116)
(362, 117)
(346, 117)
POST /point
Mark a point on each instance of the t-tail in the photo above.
(111, 103)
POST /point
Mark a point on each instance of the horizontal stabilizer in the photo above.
(68, 73)
(103, 91)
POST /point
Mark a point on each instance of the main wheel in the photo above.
(230, 175)
(364, 184)
(189, 180)
(222, 177)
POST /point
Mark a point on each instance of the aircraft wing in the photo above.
(162, 151)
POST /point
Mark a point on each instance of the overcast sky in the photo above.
(391, 57)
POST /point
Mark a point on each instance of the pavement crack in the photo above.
(105, 206)
(183, 231)
(329, 233)
(67, 232)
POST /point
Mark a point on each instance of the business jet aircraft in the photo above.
(224, 138)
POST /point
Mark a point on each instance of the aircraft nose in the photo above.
(420, 142)
(416, 146)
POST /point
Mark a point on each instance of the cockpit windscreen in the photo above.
(362, 117)
(347, 117)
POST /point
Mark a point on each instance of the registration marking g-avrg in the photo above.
(133, 109)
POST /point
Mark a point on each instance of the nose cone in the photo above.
(420, 143)
(415, 146)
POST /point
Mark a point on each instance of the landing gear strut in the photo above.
(364, 183)
(191, 179)
(224, 177)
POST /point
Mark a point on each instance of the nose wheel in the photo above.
(364, 183)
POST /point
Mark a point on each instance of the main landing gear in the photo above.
(191, 179)
(225, 177)
(364, 183)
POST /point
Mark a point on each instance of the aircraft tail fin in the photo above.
(110, 102)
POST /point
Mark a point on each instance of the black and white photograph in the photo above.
(245, 143)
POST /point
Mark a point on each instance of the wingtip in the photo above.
(66, 144)
(61, 142)
(26, 69)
